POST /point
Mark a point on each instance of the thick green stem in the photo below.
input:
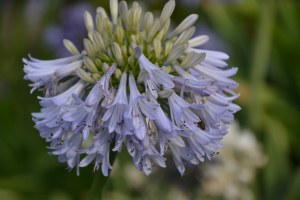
(100, 181)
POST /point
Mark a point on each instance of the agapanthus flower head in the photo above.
(147, 89)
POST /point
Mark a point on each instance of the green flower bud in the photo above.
(123, 10)
(120, 34)
(99, 23)
(98, 63)
(124, 51)
(99, 41)
(85, 76)
(89, 48)
(118, 74)
(169, 45)
(105, 67)
(153, 30)
(157, 47)
(166, 13)
(70, 47)
(117, 53)
(96, 76)
(166, 93)
(148, 21)
(108, 27)
(114, 10)
(90, 64)
(174, 55)
(185, 24)
(102, 12)
(196, 59)
(88, 20)
(185, 36)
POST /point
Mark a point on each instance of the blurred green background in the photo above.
(262, 38)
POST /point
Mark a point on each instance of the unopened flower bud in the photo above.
(123, 10)
(70, 47)
(135, 4)
(133, 39)
(153, 30)
(148, 21)
(96, 76)
(99, 41)
(105, 37)
(169, 45)
(98, 63)
(118, 74)
(129, 20)
(157, 47)
(142, 76)
(167, 70)
(105, 67)
(140, 39)
(85, 76)
(187, 23)
(196, 59)
(114, 10)
(174, 55)
(131, 51)
(117, 53)
(88, 20)
(102, 12)
(185, 36)
(120, 34)
(166, 93)
(90, 64)
(108, 27)
(187, 58)
(88, 46)
(166, 13)
(124, 51)
(99, 23)
(197, 41)
(131, 61)
(137, 12)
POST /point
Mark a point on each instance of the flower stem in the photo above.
(100, 181)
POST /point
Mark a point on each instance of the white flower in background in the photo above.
(231, 174)
(152, 91)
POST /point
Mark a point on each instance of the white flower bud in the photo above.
(96, 76)
(118, 74)
(135, 4)
(108, 27)
(114, 10)
(124, 51)
(105, 67)
(131, 61)
(185, 24)
(153, 30)
(137, 12)
(99, 41)
(187, 58)
(157, 47)
(133, 39)
(140, 39)
(102, 12)
(185, 36)
(197, 41)
(142, 76)
(89, 48)
(70, 47)
(120, 34)
(169, 45)
(105, 37)
(196, 59)
(99, 23)
(148, 21)
(98, 63)
(174, 55)
(129, 20)
(166, 13)
(90, 64)
(117, 53)
(166, 93)
(123, 10)
(88, 20)
(83, 75)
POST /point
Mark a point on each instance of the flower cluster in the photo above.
(148, 89)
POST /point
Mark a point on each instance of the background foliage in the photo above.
(262, 38)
